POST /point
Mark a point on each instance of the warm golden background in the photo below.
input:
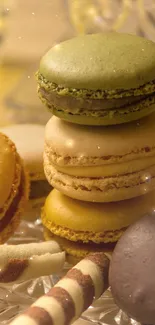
(30, 27)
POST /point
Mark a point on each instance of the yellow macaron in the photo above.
(14, 188)
(87, 226)
(75, 251)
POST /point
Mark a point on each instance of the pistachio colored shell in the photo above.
(109, 119)
(101, 61)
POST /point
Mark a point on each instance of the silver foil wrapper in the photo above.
(15, 299)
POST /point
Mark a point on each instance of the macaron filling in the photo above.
(51, 87)
(95, 106)
(108, 170)
(12, 209)
(75, 105)
(98, 110)
(89, 108)
(39, 189)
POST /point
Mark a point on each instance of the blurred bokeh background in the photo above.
(29, 27)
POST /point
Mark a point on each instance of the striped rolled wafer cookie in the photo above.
(71, 296)
(26, 261)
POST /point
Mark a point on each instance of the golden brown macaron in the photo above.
(14, 188)
(82, 227)
(29, 141)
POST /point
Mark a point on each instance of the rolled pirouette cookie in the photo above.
(71, 296)
(26, 261)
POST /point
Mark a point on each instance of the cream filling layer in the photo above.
(107, 170)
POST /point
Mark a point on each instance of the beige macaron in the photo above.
(101, 164)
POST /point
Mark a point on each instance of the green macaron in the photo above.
(99, 79)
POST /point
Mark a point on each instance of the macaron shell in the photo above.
(10, 173)
(79, 220)
(8, 168)
(89, 62)
(29, 140)
(76, 251)
(67, 144)
(17, 209)
(109, 170)
(103, 189)
(111, 118)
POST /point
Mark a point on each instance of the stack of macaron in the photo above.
(99, 151)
